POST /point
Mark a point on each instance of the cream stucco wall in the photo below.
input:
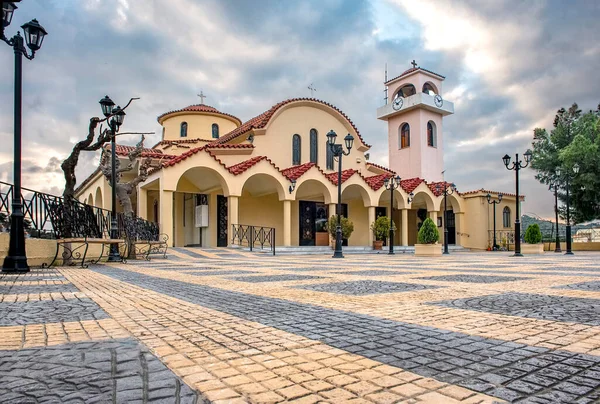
(199, 125)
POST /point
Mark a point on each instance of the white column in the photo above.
(405, 227)
(287, 223)
(332, 209)
(371, 220)
(233, 214)
(165, 214)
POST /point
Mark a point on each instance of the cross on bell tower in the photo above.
(414, 64)
(202, 97)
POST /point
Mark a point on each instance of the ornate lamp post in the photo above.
(568, 229)
(516, 166)
(446, 191)
(338, 151)
(554, 186)
(16, 260)
(117, 116)
(391, 184)
(494, 202)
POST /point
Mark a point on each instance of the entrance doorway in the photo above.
(379, 212)
(313, 218)
(222, 221)
(451, 226)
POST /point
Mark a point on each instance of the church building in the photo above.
(214, 170)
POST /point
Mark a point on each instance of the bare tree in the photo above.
(124, 190)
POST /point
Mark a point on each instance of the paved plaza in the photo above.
(231, 327)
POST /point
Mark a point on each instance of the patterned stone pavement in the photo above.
(221, 326)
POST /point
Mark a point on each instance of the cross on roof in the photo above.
(312, 89)
(414, 64)
(202, 97)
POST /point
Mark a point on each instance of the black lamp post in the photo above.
(16, 260)
(115, 117)
(516, 166)
(568, 229)
(391, 184)
(446, 191)
(554, 186)
(338, 151)
(494, 202)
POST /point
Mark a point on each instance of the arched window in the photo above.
(407, 90)
(183, 129)
(314, 146)
(431, 134)
(404, 140)
(215, 131)
(329, 160)
(429, 88)
(506, 216)
(296, 145)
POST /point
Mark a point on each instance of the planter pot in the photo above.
(321, 238)
(428, 250)
(378, 244)
(532, 248)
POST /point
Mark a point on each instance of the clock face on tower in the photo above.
(397, 104)
(438, 100)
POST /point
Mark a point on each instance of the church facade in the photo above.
(276, 170)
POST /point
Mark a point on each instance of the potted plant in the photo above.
(380, 228)
(428, 240)
(533, 240)
(347, 228)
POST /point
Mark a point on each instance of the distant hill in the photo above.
(548, 227)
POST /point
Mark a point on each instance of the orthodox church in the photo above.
(214, 171)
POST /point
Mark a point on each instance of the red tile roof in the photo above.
(123, 150)
(438, 187)
(182, 140)
(485, 191)
(333, 177)
(198, 108)
(230, 146)
(295, 172)
(183, 156)
(411, 184)
(244, 165)
(413, 69)
(376, 181)
(260, 121)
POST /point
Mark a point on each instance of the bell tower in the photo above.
(415, 129)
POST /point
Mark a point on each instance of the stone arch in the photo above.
(90, 200)
(311, 188)
(262, 183)
(201, 180)
(406, 90)
(425, 199)
(455, 203)
(99, 198)
(400, 198)
(428, 87)
(353, 187)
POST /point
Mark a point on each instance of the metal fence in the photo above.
(254, 236)
(504, 238)
(50, 216)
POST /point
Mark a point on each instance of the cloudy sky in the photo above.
(508, 65)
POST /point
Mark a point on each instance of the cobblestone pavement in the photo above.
(221, 326)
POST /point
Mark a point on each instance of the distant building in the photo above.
(587, 235)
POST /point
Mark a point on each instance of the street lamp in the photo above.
(391, 184)
(115, 117)
(554, 186)
(516, 166)
(446, 191)
(16, 260)
(494, 202)
(338, 151)
(567, 180)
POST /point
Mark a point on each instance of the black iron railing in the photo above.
(254, 237)
(504, 238)
(50, 216)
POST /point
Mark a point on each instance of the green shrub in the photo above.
(428, 234)
(381, 228)
(347, 227)
(533, 235)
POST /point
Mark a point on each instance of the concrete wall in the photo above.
(199, 125)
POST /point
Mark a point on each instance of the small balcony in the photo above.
(419, 100)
